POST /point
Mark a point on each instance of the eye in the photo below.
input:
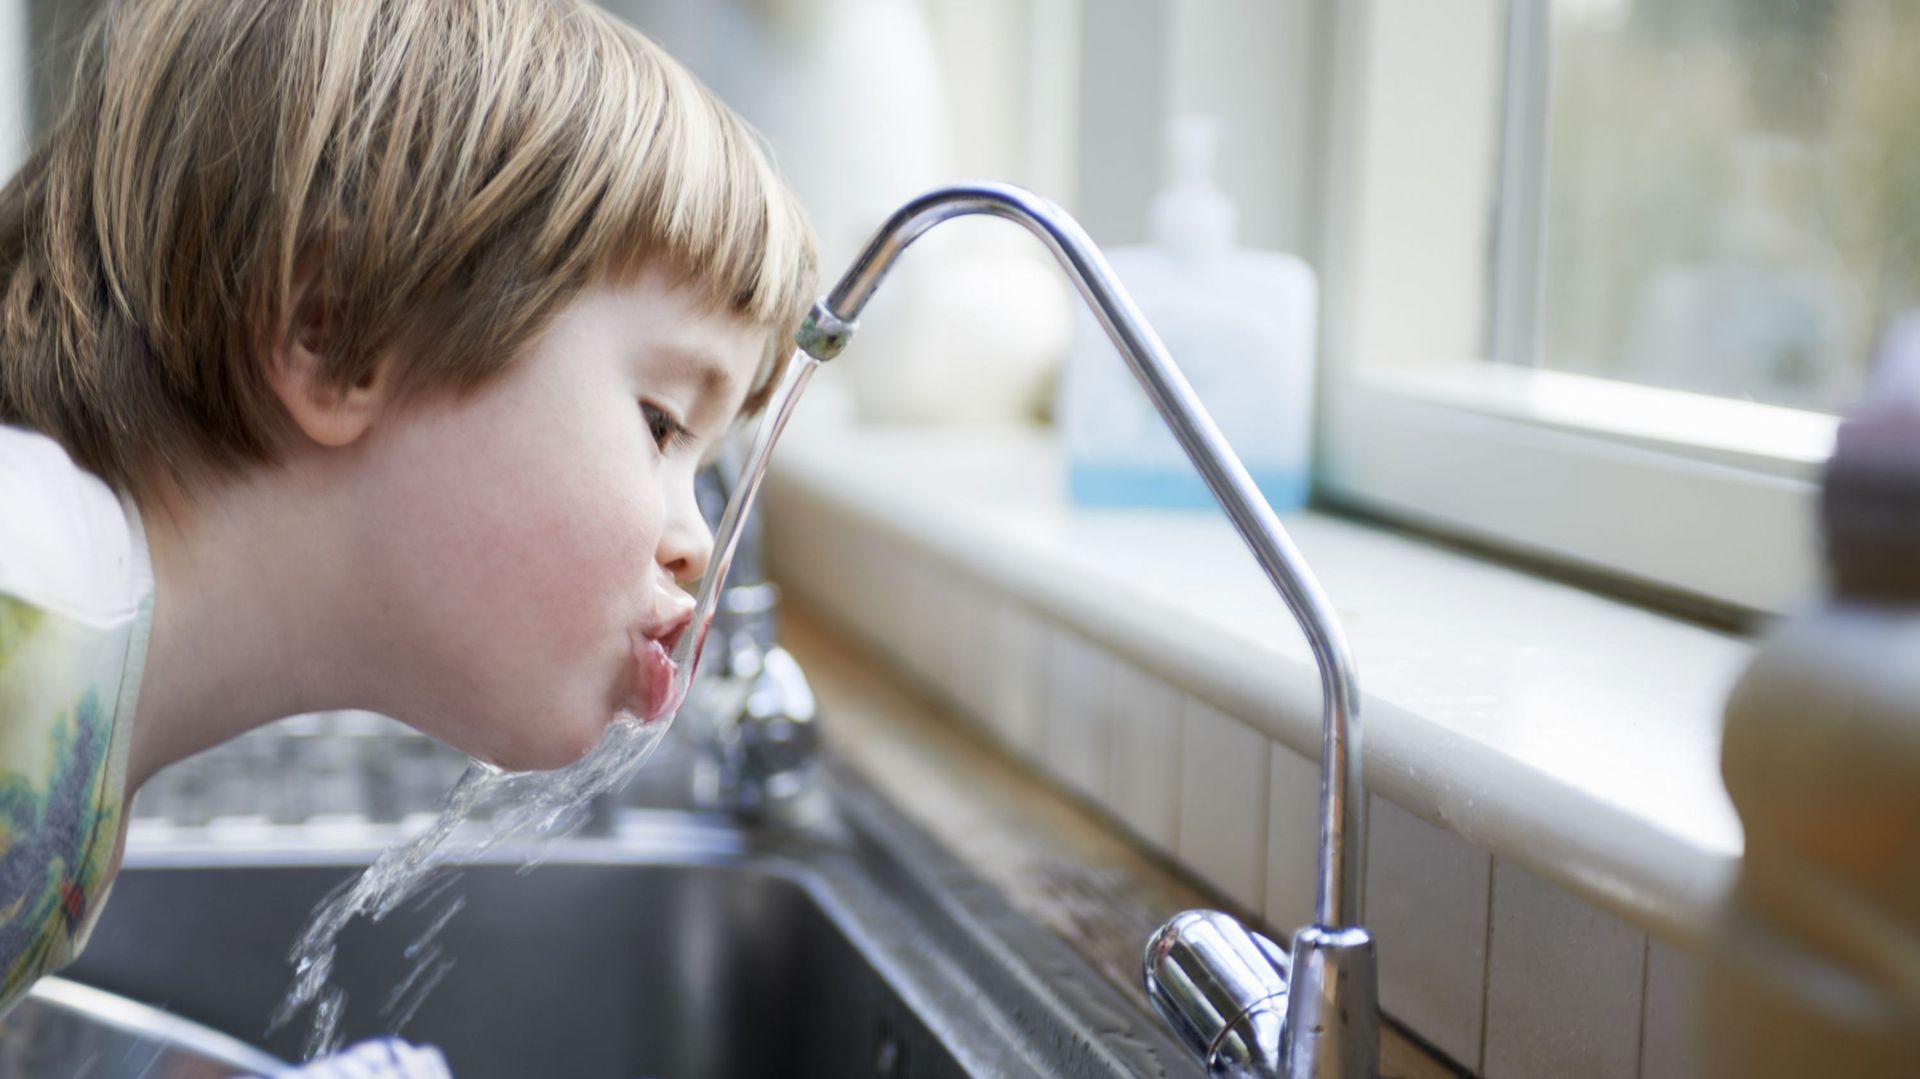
(666, 431)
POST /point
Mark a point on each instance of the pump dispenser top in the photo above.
(1192, 217)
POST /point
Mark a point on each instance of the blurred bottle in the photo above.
(1815, 967)
(1241, 324)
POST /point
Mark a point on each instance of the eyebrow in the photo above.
(700, 366)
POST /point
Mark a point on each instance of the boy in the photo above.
(369, 351)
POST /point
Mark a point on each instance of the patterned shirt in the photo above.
(76, 605)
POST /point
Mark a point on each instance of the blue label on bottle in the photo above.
(1138, 487)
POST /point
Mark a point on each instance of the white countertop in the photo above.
(1575, 735)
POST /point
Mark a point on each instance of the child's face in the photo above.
(526, 541)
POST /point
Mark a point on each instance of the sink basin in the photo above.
(675, 945)
(584, 970)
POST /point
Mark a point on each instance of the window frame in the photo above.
(16, 94)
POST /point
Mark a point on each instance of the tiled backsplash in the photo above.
(1498, 968)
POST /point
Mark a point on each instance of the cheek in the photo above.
(590, 552)
(531, 543)
(576, 532)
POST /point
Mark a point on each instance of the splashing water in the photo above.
(538, 806)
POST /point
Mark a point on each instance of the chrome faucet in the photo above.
(1242, 1004)
(749, 712)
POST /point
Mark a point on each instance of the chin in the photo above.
(551, 744)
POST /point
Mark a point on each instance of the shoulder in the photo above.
(67, 543)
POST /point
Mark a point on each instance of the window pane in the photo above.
(1733, 192)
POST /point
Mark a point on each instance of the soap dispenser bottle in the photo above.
(1242, 326)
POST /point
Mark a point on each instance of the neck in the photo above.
(235, 643)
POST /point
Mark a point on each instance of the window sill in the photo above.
(1653, 486)
(1764, 439)
(1573, 735)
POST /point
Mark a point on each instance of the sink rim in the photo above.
(135, 1018)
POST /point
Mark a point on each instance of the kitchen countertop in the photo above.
(1572, 734)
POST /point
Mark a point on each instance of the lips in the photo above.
(656, 688)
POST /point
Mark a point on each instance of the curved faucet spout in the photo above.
(1343, 802)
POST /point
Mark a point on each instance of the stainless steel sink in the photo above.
(674, 945)
(575, 969)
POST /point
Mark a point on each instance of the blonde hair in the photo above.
(451, 172)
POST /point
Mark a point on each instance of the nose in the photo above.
(672, 609)
(685, 543)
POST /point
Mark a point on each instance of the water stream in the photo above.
(535, 806)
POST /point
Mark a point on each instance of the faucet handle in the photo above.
(1248, 1008)
(1222, 988)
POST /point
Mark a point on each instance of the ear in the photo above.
(325, 411)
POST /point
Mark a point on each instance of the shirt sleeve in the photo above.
(76, 601)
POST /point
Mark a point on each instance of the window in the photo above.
(1732, 193)
(15, 110)
(1603, 272)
